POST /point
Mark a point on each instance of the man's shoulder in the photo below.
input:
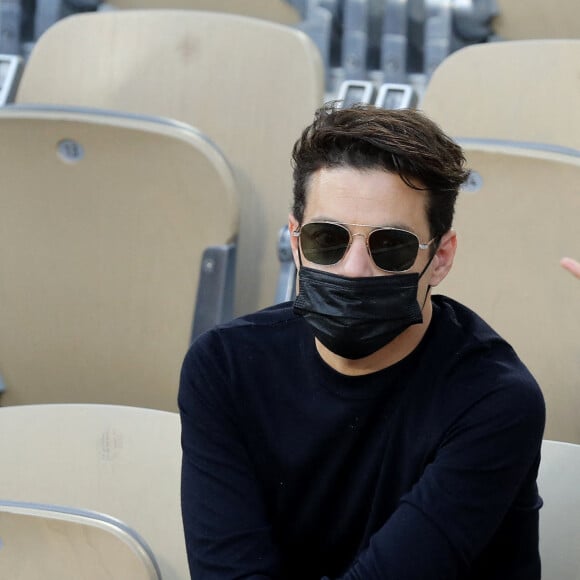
(249, 344)
(462, 330)
(461, 318)
(474, 342)
(270, 316)
(480, 352)
(481, 374)
(265, 327)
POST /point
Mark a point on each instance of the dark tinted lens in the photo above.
(393, 250)
(323, 244)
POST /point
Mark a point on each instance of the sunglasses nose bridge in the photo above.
(357, 260)
(365, 240)
(360, 234)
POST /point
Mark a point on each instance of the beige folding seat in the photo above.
(514, 107)
(522, 19)
(526, 90)
(60, 543)
(275, 10)
(249, 84)
(515, 219)
(105, 227)
(120, 461)
(560, 516)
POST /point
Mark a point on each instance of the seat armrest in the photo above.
(286, 289)
(215, 293)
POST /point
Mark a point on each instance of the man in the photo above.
(367, 431)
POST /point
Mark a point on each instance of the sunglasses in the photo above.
(392, 249)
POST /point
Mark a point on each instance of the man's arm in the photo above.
(226, 528)
(445, 522)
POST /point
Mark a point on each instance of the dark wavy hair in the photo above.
(403, 141)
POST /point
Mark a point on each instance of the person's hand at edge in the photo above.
(571, 265)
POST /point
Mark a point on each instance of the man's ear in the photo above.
(293, 225)
(443, 259)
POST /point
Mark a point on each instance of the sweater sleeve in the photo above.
(226, 528)
(443, 525)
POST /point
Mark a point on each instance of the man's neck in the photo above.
(388, 355)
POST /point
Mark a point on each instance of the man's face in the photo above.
(372, 198)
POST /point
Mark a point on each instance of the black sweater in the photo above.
(425, 470)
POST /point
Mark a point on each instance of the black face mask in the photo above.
(354, 317)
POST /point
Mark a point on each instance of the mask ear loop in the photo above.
(426, 266)
(424, 270)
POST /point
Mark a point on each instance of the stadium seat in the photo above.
(515, 218)
(513, 107)
(120, 461)
(537, 19)
(249, 84)
(60, 543)
(111, 228)
(525, 90)
(275, 10)
(560, 516)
